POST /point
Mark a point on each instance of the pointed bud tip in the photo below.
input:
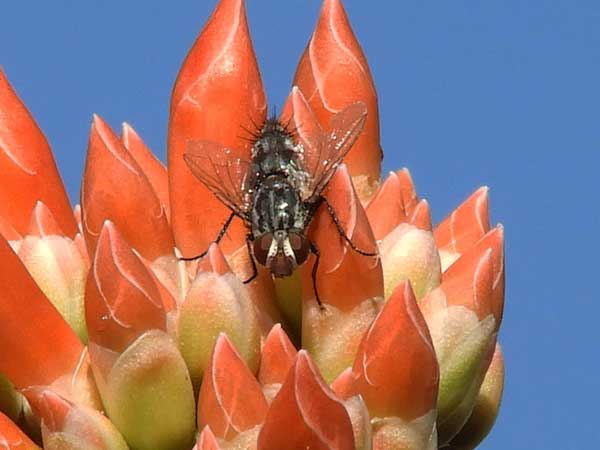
(277, 356)
(43, 222)
(229, 411)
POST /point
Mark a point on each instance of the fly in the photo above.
(279, 189)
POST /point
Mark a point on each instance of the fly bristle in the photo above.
(271, 125)
(251, 135)
(290, 128)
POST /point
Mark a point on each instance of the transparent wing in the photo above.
(324, 151)
(222, 170)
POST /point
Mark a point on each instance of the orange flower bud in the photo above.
(463, 227)
(58, 264)
(333, 73)
(28, 169)
(38, 346)
(64, 421)
(397, 340)
(486, 407)
(461, 319)
(348, 283)
(308, 407)
(231, 400)
(217, 94)
(131, 203)
(122, 299)
(276, 358)
(221, 300)
(408, 252)
(393, 203)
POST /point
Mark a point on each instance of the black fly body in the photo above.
(278, 190)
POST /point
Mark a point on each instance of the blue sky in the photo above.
(504, 94)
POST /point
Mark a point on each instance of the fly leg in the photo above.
(343, 233)
(315, 251)
(254, 271)
(216, 241)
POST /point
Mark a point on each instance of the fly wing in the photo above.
(222, 170)
(324, 151)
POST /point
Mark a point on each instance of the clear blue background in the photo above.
(503, 93)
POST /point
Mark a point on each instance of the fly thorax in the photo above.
(275, 153)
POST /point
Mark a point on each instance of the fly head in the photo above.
(282, 251)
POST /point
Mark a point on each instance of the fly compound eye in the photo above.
(261, 246)
(300, 245)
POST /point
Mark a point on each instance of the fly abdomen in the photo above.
(277, 206)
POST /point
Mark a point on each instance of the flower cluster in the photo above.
(111, 341)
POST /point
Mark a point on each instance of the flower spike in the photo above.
(180, 281)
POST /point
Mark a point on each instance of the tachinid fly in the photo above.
(278, 190)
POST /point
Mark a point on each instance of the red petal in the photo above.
(306, 413)
(214, 261)
(36, 344)
(477, 277)
(276, 358)
(421, 216)
(28, 169)
(344, 277)
(407, 190)
(230, 400)
(153, 168)
(115, 188)
(468, 282)
(392, 204)
(7, 230)
(386, 209)
(333, 73)
(344, 383)
(495, 240)
(11, 437)
(217, 94)
(66, 421)
(206, 440)
(49, 406)
(465, 225)
(42, 222)
(396, 369)
(122, 299)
